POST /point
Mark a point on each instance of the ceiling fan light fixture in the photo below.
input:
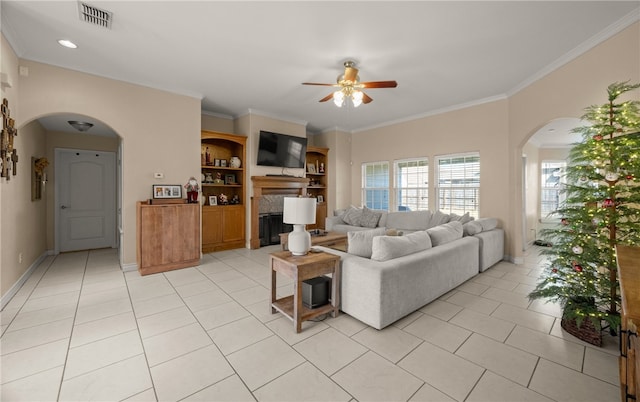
(356, 98)
(338, 98)
(81, 126)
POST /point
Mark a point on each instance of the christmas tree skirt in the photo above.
(586, 331)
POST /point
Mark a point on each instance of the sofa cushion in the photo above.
(488, 223)
(360, 242)
(436, 219)
(388, 247)
(471, 228)
(445, 233)
(408, 220)
(352, 216)
(462, 219)
(369, 218)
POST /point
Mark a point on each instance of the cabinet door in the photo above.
(186, 233)
(233, 223)
(212, 225)
(153, 221)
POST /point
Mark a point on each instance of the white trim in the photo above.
(272, 116)
(129, 267)
(514, 260)
(27, 274)
(214, 114)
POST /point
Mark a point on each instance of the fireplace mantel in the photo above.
(267, 185)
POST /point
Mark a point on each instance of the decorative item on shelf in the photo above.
(207, 157)
(230, 179)
(192, 190)
(216, 162)
(213, 200)
(203, 158)
(208, 177)
(235, 199)
(167, 191)
(320, 198)
(218, 179)
(223, 163)
(235, 162)
(224, 200)
(299, 212)
(321, 167)
(311, 168)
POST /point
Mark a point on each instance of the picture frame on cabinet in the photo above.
(311, 168)
(230, 179)
(223, 163)
(213, 200)
(167, 191)
(216, 162)
(320, 198)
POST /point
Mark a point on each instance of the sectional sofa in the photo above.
(386, 277)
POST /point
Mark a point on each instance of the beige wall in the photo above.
(482, 129)
(160, 131)
(565, 93)
(217, 123)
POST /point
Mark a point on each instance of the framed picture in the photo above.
(223, 163)
(167, 191)
(216, 162)
(213, 200)
(311, 168)
(230, 179)
(320, 198)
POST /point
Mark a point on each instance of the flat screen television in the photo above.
(281, 150)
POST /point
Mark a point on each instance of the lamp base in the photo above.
(299, 240)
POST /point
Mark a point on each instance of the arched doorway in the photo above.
(91, 175)
(544, 151)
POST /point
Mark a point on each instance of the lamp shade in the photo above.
(299, 211)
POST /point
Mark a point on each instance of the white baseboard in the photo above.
(16, 286)
(129, 267)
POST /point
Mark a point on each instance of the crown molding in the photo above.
(272, 116)
(214, 114)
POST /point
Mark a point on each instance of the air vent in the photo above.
(95, 16)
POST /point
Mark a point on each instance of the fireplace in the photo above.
(271, 226)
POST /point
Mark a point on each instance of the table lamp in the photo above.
(299, 211)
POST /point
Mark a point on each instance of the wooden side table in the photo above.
(300, 268)
(336, 240)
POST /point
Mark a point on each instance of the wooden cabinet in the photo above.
(629, 361)
(168, 237)
(223, 191)
(317, 173)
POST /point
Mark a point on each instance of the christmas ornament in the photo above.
(611, 176)
(583, 179)
(554, 270)
(608, 203)
(564, 221)
(578, 268)
(597, 137)
(577, 250)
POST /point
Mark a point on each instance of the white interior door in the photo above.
(85, 199)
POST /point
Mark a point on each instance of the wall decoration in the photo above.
(38, 177)
(167, 191)
(213, 200)
(8, 154)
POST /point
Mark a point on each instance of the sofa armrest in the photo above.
(331, 221)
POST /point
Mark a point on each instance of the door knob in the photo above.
(64, 207)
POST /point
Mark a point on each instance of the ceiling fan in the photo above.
(351, 87)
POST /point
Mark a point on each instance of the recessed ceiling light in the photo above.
(67, 43)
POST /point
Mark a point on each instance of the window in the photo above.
(411, 184)
(375, 185)
(458, 183)
(552, 180)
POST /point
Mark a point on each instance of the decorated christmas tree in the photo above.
(601, 209)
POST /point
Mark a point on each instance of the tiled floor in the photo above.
(81, 330)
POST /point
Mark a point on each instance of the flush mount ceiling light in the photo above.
(67, 43)
(351, 87)
(80, 125)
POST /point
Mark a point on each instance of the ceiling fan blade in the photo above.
(350, 74)
(379, 84)
(326, 98)
(366, 98)
(316, 83)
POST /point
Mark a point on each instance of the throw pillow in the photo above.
(445, 233)
(360, 242)
(471, 228)
(437, 218)
(352, 216)
(369, 218)
(389, 247)
(462, 219)
(488, 223)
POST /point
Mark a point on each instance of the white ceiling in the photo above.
(239, 56)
